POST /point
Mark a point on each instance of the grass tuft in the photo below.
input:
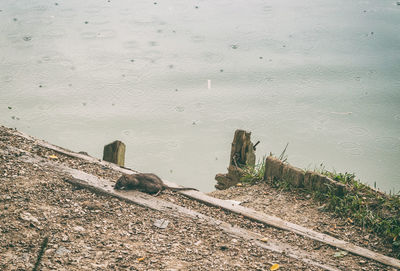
(254, 174)
(368, 208)
(374, 211)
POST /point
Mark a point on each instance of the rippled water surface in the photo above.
(174, 79)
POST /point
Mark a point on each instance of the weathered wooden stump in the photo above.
(242, 151)
(115, 153)
(277, 170)
(242, 155)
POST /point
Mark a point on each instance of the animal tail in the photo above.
(180, 188)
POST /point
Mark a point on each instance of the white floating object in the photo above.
(341, 113)
(209, 83)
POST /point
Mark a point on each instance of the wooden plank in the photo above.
(145, 200)
(288, 226)
(246, 212)
(106, 187)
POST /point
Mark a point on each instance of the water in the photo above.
(323, 76)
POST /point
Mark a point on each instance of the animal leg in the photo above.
(159, 191)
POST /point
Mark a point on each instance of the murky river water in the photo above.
(174, 79)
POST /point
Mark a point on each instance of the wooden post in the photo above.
(242, 152)
(242, 155)
(115, 153)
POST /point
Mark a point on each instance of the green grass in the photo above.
(374, 211)
(254, 174)
(368, 208)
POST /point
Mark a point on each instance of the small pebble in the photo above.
(64, 238)
(78, 228)
(61, 251)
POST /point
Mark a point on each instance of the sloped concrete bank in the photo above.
(87, 231)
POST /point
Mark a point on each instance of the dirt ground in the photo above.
(87, 231)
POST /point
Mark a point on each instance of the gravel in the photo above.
(87, 231)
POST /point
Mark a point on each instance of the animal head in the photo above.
(126, 181)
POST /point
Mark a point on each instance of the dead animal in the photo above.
(145, 182)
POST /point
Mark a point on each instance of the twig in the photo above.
(41, 252)
(255, 145)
